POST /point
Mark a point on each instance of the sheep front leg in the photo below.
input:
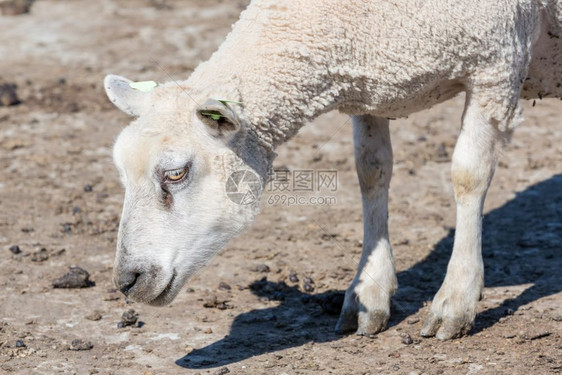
(454, 306)
(367, 301)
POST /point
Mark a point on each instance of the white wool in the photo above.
(290, 61)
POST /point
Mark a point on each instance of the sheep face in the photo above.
(175, 165)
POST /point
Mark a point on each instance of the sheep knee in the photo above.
(469, 182)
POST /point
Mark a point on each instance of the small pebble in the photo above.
(76, 278)
(15, 249)
(293, 277)
(8, 95)
(20, 344)
(208, 330)
(88, 188)
(210, 301)
(222, 371)
(308, 285)
(308, 288)
(67, 228)
(509, 311)
(222, 305)
(535, 335)
(413, 320)
(440, 357)
(80, 344)
(94, 316)
(128, 318)
(407, 339)
(261, 268)
(224, 286)
(15, 7)
(40, 256)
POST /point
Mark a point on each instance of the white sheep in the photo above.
(287, 62)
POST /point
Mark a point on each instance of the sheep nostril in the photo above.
(126, 288)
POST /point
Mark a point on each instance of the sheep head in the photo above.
(189, 187)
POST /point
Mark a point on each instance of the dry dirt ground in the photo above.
(268, 304)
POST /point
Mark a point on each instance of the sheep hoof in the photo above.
(364, 323)
(446, 328)
(372, 322)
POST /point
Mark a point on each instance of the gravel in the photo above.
(222, 371)
(76, 278)
(263, 268)
(293, 277)
(8, 95)
(94, 316)
(129, 318)
(407, 339)
(79, 344)
(308, 285)
(212, 301)
(15, 249)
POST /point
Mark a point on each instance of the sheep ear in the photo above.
(220, 118)
(119, 91)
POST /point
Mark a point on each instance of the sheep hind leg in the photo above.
(454, 306)
(366, 306)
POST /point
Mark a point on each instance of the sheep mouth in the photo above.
(168, 293)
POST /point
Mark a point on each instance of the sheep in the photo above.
(282, 65)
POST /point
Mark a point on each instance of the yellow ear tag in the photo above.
(144, 86)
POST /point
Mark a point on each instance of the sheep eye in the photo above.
(175, 175)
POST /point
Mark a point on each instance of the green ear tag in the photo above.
(144, 86)
(224, 101)
(214, 115)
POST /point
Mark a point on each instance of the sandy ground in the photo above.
(272, 295)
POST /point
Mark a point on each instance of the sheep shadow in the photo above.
(522, 244)
(298, 319)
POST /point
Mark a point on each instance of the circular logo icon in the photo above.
(243, 187)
